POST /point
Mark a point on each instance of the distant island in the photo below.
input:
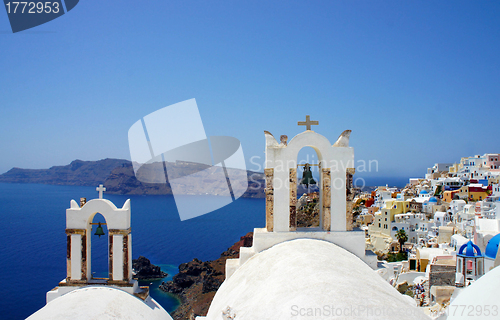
(117, 175)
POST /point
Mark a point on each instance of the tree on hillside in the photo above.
(402, 238)
(438, 192)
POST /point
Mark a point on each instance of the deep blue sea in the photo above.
(33, 240)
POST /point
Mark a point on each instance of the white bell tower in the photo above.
(79, 256)
(336, 163)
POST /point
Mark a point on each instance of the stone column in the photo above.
(269, 191)
(327, 199)
(84, 257)
(68, 256)
(349, 197)
(126, 275)
(110, 257)
(293, 199)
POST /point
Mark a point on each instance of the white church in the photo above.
(289, 272)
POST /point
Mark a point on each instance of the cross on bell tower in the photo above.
(101, 189)
(308, 123)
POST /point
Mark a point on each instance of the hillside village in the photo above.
(414, 253)
(439, 234)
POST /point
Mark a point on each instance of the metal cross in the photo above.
(308, 123)
(101, 189)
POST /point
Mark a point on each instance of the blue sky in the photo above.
(416, 81)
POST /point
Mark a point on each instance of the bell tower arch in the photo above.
(79, 223)
(78, 235)
(336, 164)
(281, 179)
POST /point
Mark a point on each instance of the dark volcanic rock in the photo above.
(197, 281)
(210, 284)
(143, 269)
(183, 280)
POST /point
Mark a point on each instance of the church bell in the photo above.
(307, 177)
(99, 231)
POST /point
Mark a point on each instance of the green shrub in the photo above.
(400, 256)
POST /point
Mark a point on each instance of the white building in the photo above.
(464, 220)
(495, 188)
(476, 167)
(441, 219)
(436, 169)
(485, 229)
(457, 240)
(456, 206)
(452, 183)
(382, 195)
(416, 226)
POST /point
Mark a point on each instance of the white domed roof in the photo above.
(101, 303)
(302, 276)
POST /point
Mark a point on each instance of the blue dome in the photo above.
(433, 199)
(424, 192)
(469, 248)
(492, 247)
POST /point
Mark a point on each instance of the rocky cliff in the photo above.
(118, 176)
(198, 281)
(77, 173)
(143, 269)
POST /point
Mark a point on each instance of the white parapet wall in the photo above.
(352, 241)
(62, 290)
